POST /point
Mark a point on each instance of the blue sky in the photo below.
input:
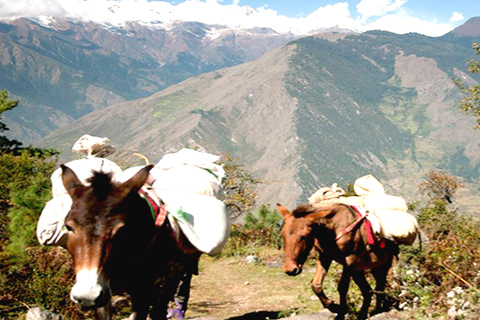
(429, 17)
(441, 10)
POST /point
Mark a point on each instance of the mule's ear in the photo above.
(70, 180)
(283, 211)
(139, 179)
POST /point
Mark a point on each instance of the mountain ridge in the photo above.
(65, 72)
(320, 110)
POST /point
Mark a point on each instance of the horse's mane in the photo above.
(303, 210)
(101, 183)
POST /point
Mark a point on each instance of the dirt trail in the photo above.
(256, 288)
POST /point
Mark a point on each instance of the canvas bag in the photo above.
(395, 223)
(189, 183)
(398, 226)
(83, 169)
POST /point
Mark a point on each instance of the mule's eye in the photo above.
(68, 227)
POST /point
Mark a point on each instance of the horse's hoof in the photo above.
(336, 308)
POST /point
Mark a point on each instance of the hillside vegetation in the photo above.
(247, 278)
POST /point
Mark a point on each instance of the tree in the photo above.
(439, 186)
(24, 189)
(5, 105)
(470, 102)
(239, 187)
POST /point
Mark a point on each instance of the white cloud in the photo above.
(374, 14)
(406, 24)
(328, 17)
(456, 16)
(30, 8)
(375, 8)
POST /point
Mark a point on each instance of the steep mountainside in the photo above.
(323, 109)
(471, 28)
(62, 69)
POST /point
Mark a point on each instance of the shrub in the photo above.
(259, 230)
(443, 277)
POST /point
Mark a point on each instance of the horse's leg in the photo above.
(323, 264)
(166, 293)
(140, 305)
(104, 313)
(380, 275)
(361, 281)
(342, 288)
(317, 283)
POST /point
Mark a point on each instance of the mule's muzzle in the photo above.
(89, 291)
(88, 303)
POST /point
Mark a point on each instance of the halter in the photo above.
(157, 209)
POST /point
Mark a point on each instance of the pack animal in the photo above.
(116, 246)
(310, 227)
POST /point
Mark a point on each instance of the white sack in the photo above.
(368, 185)
(188, 178)
(189, 183)
(203, 219)
(375, 202)
(353, 201)
(91, 146)
(83, 169)
(50, 229)
(193, 158)
(399, 226)
(326, 193)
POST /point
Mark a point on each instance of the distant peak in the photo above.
(471, 28)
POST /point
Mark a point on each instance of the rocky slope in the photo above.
(323, 109)
(63, 69)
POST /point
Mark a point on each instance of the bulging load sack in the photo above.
(187, 178)
(50, 229)
(375, 202)
(203, 219)
(192, 157)
(398, 226)
(189, 183)
(368, 185)
(353, 201)
(327, 195)
(83, 169)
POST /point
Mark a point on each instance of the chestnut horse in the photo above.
(323, 228)
(116, 246)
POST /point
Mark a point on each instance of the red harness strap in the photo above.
(159, 213)
(362, 214)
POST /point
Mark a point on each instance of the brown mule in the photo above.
(116, 246)
(307, 227)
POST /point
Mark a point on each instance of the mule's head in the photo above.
(298, 241)
(98, 212)
(298, 235)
